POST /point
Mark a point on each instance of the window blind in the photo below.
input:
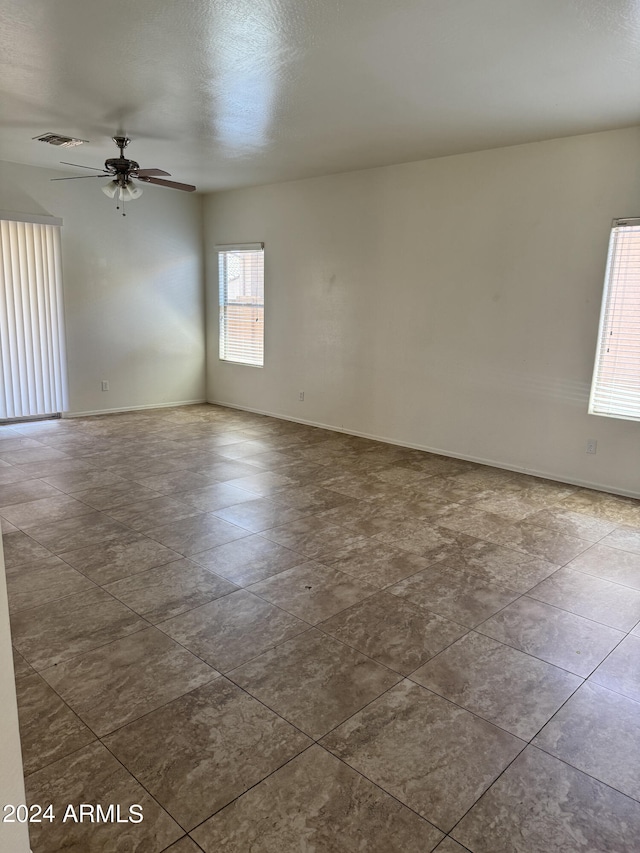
(241, 295)
(615, 389)
(32, 351)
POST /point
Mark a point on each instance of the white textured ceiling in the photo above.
(226, 93)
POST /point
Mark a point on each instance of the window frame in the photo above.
(224, 302)
(616, 288)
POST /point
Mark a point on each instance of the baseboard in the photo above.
(494, 463)
(133, 408)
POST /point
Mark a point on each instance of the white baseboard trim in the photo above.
(133, 408)
(533, 472)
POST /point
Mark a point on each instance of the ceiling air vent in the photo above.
(59, 139)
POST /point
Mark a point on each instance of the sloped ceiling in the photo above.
(228, 93)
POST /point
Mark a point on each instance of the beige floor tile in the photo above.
(394, 632)
(602, 505)
(49, 729)
(319, 799)
(427, 539)
(92, 775)
(450, 846)
(21, 669)
(312, 536)
(356, 485)
(513, 506)
(223, 471)
(147, 515)
(169, 590)
(337, 680)
(174, 482)
(73, 533)
(54, 466)
(20, 549)
(476, 522)
(552, 545)
(44, 511)
(123, 555)
(598, 732)
(185, 845)
(40, 453)
(513, 690)
(621, 670)
(106, 498)
(16, 442)
(215, 496)
(60, 630)
(456, 594)
(312, 591)
(309, 498)
(198, 533)
(597, 599)
(120, 682)
(259, 514)
(80, 481)
(541, 805)
(243, 449)
(227, 632)
(370, 517)
(400, 476)
(41, 581)
(376, 564)
(556, 636)
(573, 523)
(11, 474)
(300, 472)
(624, 538)
(431, 755)
(248, 560)
(201, 751)
(504, 566)
(269, 460)
(610, 564)
(24, 491)
(265, 484)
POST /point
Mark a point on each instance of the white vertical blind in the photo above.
(241, 296)
(32, 351)
(615, 390)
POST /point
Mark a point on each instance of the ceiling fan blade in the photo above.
(78, 166)
(77, 177)
(173, 184)
(145, 173)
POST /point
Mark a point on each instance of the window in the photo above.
(33, 377)
(615, 390)
(241, 291)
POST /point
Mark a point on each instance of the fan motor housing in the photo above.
(120, 165)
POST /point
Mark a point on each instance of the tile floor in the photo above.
(278, 638)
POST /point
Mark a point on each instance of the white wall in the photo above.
(13, 836)
(449, 304)
(133, 288)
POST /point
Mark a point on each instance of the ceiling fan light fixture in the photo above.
(128, 192)
(110, 188)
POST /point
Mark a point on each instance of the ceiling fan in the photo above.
(121, 170)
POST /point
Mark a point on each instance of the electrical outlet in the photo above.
(301, 396)
(105, 385)
(592, 445)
